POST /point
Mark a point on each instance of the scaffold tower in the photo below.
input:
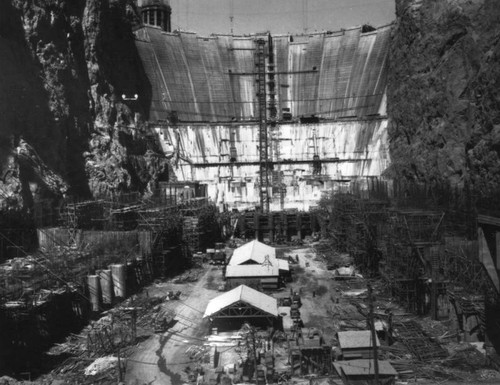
(264, 164)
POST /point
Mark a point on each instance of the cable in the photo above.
(251, 119)
(100, 277)
(185, 304)
(256, 101)
(188, 326)
(45, 267)
(177, 363)
(61, 279)
(186, 336)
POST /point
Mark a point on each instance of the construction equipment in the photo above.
(173, 295)
(296, 299)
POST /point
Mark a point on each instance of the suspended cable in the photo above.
(256, 101)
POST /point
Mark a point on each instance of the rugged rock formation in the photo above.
(444, 94)
(65, 65)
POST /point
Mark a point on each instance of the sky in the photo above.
(278, 16)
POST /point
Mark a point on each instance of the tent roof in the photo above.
(244, 294)
(255, 251)
(364, 367)
(252, 271)
(356, 339)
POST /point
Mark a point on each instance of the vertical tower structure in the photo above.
(156, 12)
(264, 161)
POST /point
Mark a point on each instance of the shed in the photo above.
(283, 265)
(356, 344)
(284, 270)
(256, 253)
(253, 252)
(363, 371)
(242, 304)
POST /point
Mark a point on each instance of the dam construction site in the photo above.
(309, 208)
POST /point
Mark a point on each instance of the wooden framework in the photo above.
(241, 309)
(418, 343)
(311, 360)
(277, 226)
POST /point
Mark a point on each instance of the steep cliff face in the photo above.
(64, 66)
(444, 93)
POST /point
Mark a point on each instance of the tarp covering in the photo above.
(329, 75)
(245, 294)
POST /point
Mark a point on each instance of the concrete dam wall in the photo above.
(347, 150)
(329, 93)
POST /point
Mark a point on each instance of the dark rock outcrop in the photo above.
(65, 65)
(444, 94)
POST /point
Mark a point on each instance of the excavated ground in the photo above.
(327, 304)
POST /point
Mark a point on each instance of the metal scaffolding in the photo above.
(264, 164)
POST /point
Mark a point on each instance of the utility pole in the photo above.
(373, 333)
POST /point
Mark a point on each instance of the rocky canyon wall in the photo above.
(444, 94)
(64, 127)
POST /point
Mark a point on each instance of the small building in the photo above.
(284, 270)
(256, 253)
(253, 253)
(242, 304)
(258, 276)
(361, 372)
(356, 344)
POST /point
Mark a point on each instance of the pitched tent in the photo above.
(253, 252)
(242, 304)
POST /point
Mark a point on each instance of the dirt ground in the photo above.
(327, 305)
(161, 359)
